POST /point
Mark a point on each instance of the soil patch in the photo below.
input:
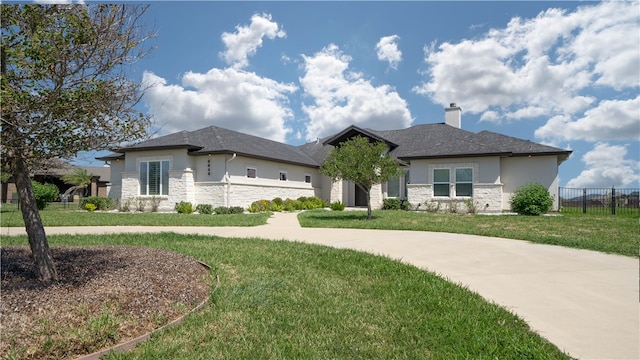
(106, 295)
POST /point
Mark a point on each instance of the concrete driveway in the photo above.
(585, 302)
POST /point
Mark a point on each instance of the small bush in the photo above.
(184, 207)
(395, 204)
(531, 199)
(101, 203)
(44, 193)
(90, 207)
(125, 206)
(236, 210)
(432, 206)
(310, 203)
(204, 209)
(292, 205)
(222, 210)
(391, 204)
(337, 206)
(278, 201)
(472, 208)
(141, 204)
(155, 203)
(276, 207)
(260, 206)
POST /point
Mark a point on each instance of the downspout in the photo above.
(227, 179)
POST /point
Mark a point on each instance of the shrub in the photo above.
(44, 193)
(278, 201)
(337, 206)
(141, 203)
(395, 204)
(222, 210)
(260, 206)
(472, 208)
(310, 203)
(453, 207)
(531, 199)
(292, 205)
(276, 207)
(184, 207)
(236, 210)
(101, 203)
(432, 206)
(204, 209)
(155, 203)
(90, 207)
(125, 206)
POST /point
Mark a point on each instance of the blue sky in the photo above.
(565, 74)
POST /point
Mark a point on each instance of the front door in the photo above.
(361, 197)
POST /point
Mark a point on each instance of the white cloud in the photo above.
(229, 98)
(543, 65)
(342, 98)
(605, 167)
(247, 39)
(609, 120)
(387, 50)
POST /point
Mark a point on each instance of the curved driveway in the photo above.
(585, 302)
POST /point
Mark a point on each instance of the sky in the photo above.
(565, 74)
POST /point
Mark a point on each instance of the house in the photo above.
(442, 163)
(53, 174)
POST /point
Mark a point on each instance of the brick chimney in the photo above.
(453, 116)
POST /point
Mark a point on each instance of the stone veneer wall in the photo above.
(486, 197)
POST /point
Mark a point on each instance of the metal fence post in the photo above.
(584, 201)
(613, 201)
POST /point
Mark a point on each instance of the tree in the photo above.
(65, 88)
(361, 162)
(80, 178)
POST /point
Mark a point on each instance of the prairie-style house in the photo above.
(442, 163)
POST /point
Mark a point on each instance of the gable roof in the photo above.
(425, 141)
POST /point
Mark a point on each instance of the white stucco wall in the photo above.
(518, 171)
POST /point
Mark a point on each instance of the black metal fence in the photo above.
(600, 201)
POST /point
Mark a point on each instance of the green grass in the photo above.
(615, 234)
(284, 300)
(54, 217)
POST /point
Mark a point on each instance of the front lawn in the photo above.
(617, 234)
(284, 300)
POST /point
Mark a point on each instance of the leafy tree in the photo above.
(66, 87)
(361, 162)
(44, 193)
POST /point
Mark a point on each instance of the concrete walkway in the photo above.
(585, 302)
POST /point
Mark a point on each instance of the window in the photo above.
(393, 187)
(154, 177)
(307, 179)
(283, 176)
(441, 182)
(464, 182)
(251, 173)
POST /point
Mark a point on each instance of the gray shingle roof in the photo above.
(417, 142)
(216, 140)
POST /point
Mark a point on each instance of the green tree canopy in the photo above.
(66, 87)
(362, 162)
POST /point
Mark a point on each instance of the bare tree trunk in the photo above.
(33, 223)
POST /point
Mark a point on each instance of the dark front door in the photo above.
(361, 197)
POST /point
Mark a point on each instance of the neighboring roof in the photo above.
(425, 141)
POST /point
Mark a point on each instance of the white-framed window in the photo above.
(441, 182)
(252, 172)
(464, 182)
(307, 179)
(154, 177)
(283, 176)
